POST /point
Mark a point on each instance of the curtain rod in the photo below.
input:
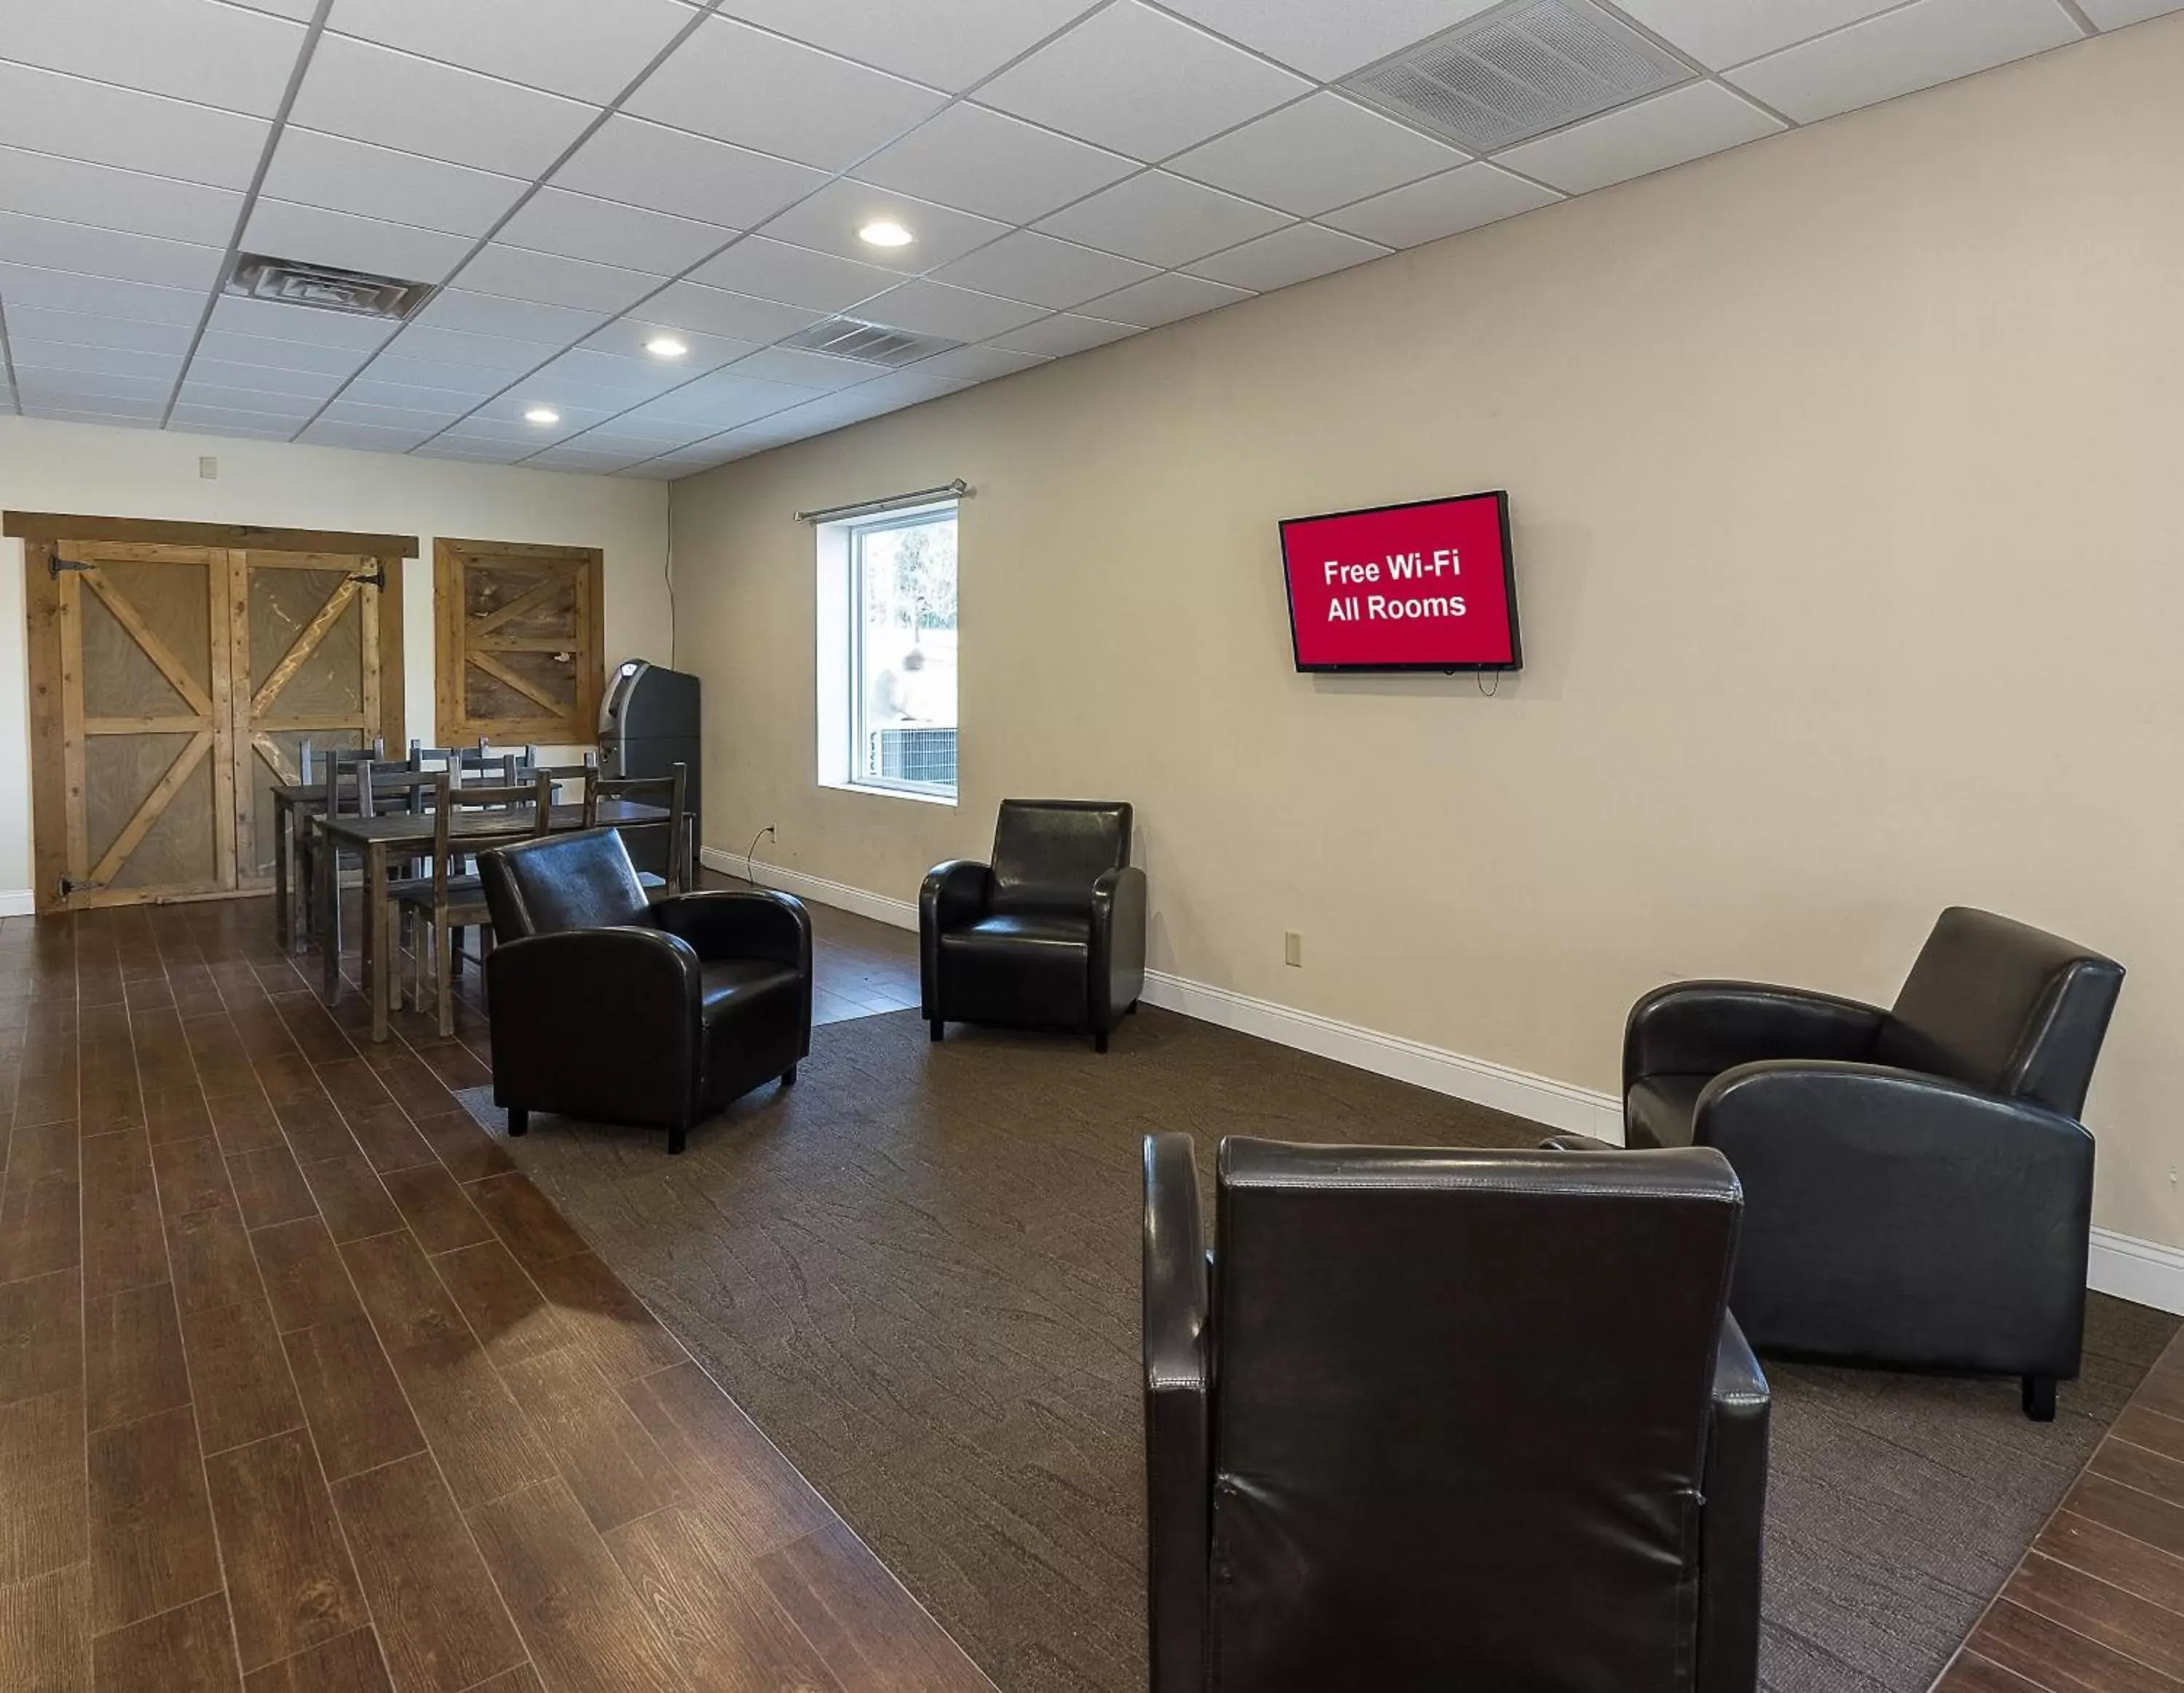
(958, 489)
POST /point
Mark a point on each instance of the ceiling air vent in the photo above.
(873, 343)
(1517, 72)
(323, 287)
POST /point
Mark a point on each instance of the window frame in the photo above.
(842, 670)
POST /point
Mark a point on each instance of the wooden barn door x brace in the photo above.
(176, 668)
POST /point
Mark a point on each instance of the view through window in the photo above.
(902, 659)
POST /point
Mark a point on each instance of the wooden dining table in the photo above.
(379, 841)
(293, 803)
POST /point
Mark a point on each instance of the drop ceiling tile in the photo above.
(723, 399)
(716, 311)
(927, 307)
(947, 43)
(1162, 219)
(1718, 35)
(646, 164)
(459, 347)
(737, 83)
(210, 419)
(995, 165)
(135, 131)
(1043, 270)
(29, 354)
(1140, 82)
(81, 329)
(475, 452)
(899, 388)
(649, 435)
(316, 385)
(608, 232)
(264, 352)
(1456, 200)
(1295, 255)
(295, 407)
(302, 11)
(1322, 152)
(451, 382)
(829, 221)
(653, 471)
(979, 363)
(579, 459)
(1062, 334)
(547, 279)
(212, 55)
(144, 417)
(609, 378)
(1165, 299)
(365, 436)
(588, 48)
(48, 186)
(372, 94)
(1327, 41)
(389, 407)
(2116, 15)
(70, 387)
(795, 276)
(345, 175)
(279, 322)
(1915, 46)
(88, 252)
(506, 425)
(815, 371)
(26, 285)
(1682, 124)
(343, 239)
(627, 336)
(511, 319)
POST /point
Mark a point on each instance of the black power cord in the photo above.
(752, 848)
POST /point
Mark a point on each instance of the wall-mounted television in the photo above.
(1426, 586)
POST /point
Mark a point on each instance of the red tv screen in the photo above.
(1426, 586)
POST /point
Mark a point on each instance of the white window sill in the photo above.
(881, 793)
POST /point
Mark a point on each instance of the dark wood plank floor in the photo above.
(2097, 1604)
(305, 1388)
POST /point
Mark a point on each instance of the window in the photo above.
(887, 707)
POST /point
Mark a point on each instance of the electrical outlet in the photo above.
(1293, 949)
(209, 468)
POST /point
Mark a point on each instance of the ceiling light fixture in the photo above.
(542, 413)
(885, 234)
(666, 346)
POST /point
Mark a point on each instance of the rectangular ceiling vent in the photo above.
(1516, 72)
(323, 287)
(870, 344)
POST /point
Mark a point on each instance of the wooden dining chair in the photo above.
(344, 777)
(671, 791)
(433, 910)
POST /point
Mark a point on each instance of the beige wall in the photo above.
(1844, 473)
(87, 470)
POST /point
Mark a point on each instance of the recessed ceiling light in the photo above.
(542, 413)
(886, 234)
(666, 346)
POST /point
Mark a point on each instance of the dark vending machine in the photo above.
(647, 725)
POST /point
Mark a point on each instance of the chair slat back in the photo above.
(671, 791)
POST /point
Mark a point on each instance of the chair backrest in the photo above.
(534, 798)
(1461, 1406)
(1996, 1005)
(348, 774)
(561, 882)
(671, 791)
(1048, 853)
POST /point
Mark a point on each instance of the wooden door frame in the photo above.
(43, 532)
(451, 558)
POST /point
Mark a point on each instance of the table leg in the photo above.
(377, 954)
(284, 927)
(327, 884)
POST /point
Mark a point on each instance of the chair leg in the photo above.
(936, 1028)
(2036, 1393)
(1130, 1009)
(788, 1076)
(519, 1120)
(1099, 1040)
(445, 951)
(678, 1137)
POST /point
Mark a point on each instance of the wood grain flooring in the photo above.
(305, 1386)
(2097, 1604)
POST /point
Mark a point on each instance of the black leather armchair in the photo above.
(614, 1007)
(1052, 934)
(1448, 1419)
(1919, 1191)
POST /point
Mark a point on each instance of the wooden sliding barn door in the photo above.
(173, 684)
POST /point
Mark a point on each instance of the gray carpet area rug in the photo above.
(917, 1270)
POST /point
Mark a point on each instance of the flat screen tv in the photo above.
(1426, 586)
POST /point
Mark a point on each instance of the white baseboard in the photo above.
(2141, 1271)
(17, 902)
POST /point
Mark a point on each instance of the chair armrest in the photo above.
(1701, 1028)
(954, 893)
(601, 1021)
(723, 923)
(1732, 1536)
(1178, 1416)
(1567, 1142)
(1119, 943)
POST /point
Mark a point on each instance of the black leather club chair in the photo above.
(1448, 1419)
(1919, 1190)
(1050, 934)
(616, 1007)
